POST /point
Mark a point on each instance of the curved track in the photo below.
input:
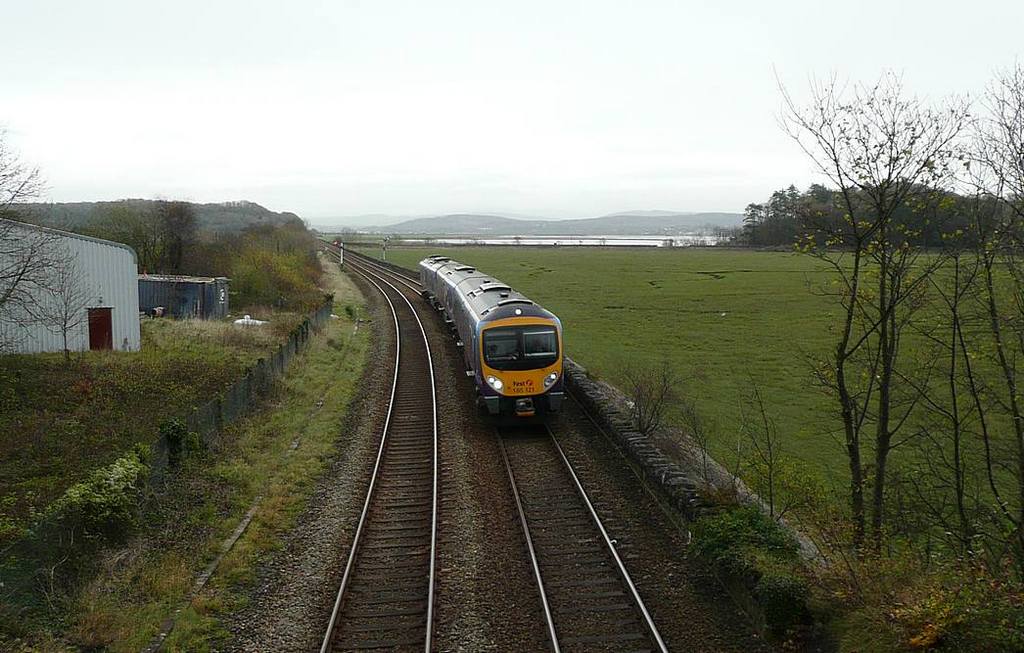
(588, 598)
(402, 276)
(386, 596)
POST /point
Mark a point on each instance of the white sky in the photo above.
(551, 108)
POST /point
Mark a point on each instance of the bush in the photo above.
(180, 441)
(748, 546)
(105, 505)
(734, 530)
(281, 280)
(783, 596)
(904, 604)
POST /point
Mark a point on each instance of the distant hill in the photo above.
(630, 223)
(223, 216)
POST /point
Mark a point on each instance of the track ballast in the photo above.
(386, 597)
(588, 599)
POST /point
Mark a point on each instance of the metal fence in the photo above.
(207, 420)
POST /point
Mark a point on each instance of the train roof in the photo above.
(487, 297)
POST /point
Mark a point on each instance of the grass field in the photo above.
(723, 317)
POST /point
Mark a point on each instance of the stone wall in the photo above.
(688, 481)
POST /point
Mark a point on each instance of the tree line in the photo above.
(271, 264)
(790, 214)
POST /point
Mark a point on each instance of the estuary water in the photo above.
(685, 240)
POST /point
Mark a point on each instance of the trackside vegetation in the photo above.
(146, 539)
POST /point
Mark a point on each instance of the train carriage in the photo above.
(512, 347)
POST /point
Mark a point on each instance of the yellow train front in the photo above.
(511, 346)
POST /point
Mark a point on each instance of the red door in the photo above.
(101, 329)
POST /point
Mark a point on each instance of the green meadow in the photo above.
(724, 318)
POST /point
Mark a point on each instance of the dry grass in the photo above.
(250, 342)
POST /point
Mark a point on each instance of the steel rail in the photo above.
(624, 573)
(369, 261)
(350, 563)
(433, 519)
(325, 646)
(552, 634)
(364, 263)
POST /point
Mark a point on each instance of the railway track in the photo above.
(386, 596)
(589, 600)
(402, 276)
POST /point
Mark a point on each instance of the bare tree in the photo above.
(63, 308)
(886, 153)
(19, 181)
(651, 391)
(763, 435)
(25, 253)
(998, 174)
(942, 475)
(697, 427)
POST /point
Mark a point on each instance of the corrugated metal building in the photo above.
(184, 297)
(105, 283)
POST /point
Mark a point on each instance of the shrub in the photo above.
(747, 545)
(282, 280)
(737, 529)
(903, 604)
(783, 596)
(105, 505)
(180, 441)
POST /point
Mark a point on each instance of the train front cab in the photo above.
(520, 363)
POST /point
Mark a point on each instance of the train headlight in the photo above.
(495, 383)
(550, 379)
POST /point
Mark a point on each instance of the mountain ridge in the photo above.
(227, 216)
(637, 223)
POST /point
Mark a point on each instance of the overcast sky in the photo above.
(556, 109)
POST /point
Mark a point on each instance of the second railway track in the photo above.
(588, 598)
(386, 596)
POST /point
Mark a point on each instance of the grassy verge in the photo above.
(142, 582)
(59, 421)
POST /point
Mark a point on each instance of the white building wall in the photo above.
(109, 273)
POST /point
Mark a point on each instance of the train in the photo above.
(511, 345)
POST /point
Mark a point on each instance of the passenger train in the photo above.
(512, 346)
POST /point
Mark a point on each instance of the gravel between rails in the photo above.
(295, 588)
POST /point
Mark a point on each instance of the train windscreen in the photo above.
(520, 348)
